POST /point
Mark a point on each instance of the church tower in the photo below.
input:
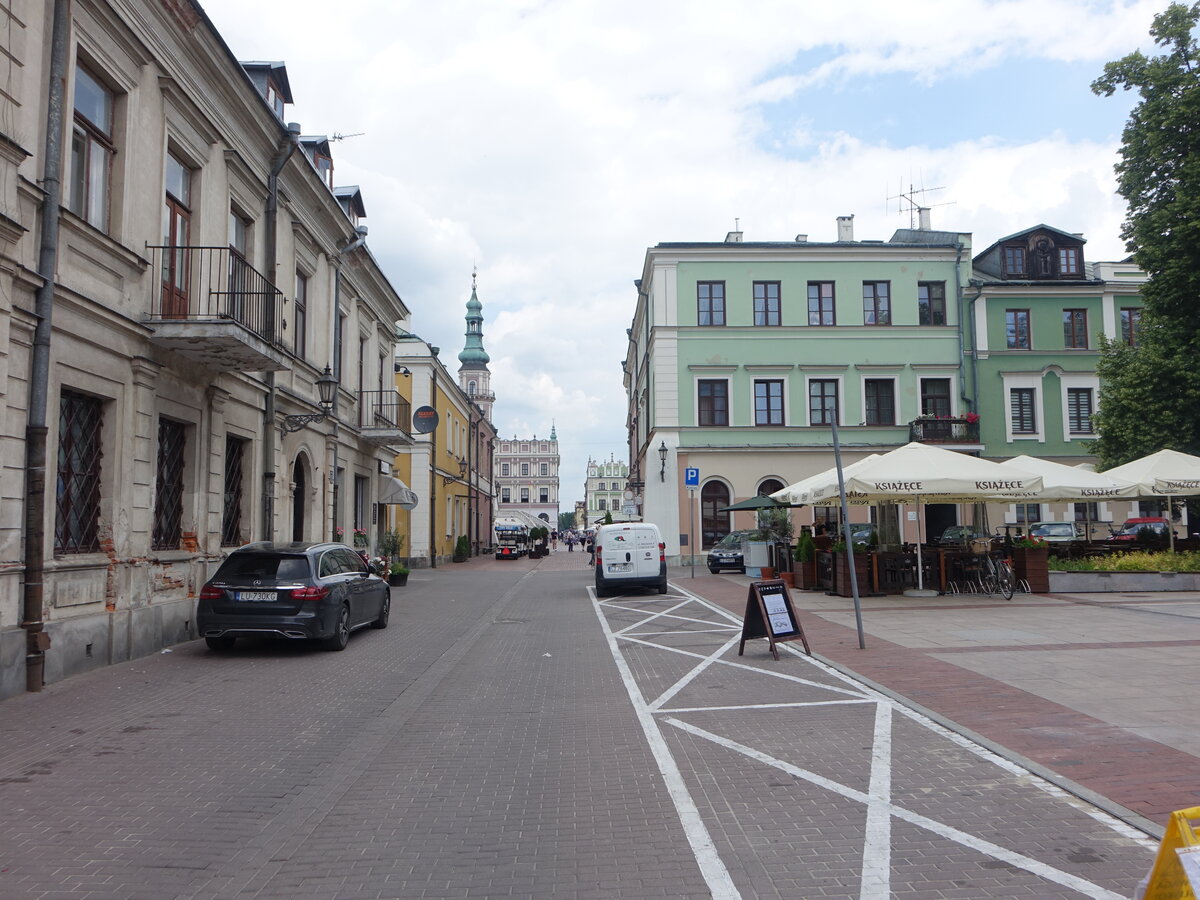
(474, 377)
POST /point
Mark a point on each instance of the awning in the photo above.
(394, 491)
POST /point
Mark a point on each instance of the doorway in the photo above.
(299, 492)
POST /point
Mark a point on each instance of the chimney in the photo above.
(845, 228)
(923, 219)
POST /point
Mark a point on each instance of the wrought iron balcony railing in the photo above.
(949, 430)
(384, 412)
(216, 284)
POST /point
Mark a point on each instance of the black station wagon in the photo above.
(304, 591)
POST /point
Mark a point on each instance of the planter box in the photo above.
(1032, 566)
(398, 580)
(1131, 582)
(862, 569)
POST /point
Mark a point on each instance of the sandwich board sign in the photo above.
(769, 614)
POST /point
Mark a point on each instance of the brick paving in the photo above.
(507, 735)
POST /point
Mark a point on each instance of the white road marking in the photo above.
(716, 876)
(690, 676)
(1033, 866)
(877, 844)
(684, 709)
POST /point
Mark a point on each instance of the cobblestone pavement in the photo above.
(509, 735)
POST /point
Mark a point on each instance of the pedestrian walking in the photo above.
(570, 542)
(591, 546)
(553, 541)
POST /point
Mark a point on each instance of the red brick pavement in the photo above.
(1141, 775)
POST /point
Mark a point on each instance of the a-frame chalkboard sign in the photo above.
(769, 614)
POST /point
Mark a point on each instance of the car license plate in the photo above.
(620, 567)
(257, 596)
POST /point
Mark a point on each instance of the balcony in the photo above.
(213, 307)
(384, 417)
(948, 430)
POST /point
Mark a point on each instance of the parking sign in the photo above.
(691, 477)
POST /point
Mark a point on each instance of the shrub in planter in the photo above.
(398, 574)
(462, 549)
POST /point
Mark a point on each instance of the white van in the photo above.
(630, 554)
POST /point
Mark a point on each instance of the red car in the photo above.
(1156, 525)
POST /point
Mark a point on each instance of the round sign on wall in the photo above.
(425, 419)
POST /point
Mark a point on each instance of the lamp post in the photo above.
(662, 456)
(327, 385)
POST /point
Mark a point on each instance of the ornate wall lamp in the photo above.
(462, 473)
(327, 386)
(662, 456)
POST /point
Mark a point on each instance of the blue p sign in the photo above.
(691, 477)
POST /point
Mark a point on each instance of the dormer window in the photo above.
(1014, 261)
(1068, 261)
(324, 165)
(274, 98)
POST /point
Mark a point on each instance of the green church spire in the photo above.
(473, 355)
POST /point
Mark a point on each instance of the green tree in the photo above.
(1150, 393)
(566, 521)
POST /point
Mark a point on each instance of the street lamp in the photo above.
(662, 456)
(327, 386)
(462, 473)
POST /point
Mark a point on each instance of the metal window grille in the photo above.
(231, 511)
(168, 500)
(77, 502)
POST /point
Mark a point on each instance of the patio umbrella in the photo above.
(924, 473)
(806, 490)
(1167, 473)
(1063, 482)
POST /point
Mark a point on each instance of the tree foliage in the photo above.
(1150, 393)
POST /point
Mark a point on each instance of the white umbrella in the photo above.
(1063, 482)
(1167, 473)
(802, 492)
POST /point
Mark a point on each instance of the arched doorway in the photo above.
(713, 525)
(299, 496)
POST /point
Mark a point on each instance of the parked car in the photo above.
(727, 552)
(1056, 532)
(300, 591)
(960, 534)
(1158, 526)
(630, 554)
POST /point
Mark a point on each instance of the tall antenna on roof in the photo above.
(338, 136)
(913, 201)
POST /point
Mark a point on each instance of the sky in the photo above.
(548, 143)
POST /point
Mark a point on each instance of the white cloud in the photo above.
(550, 143)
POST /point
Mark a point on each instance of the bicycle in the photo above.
(998, 575)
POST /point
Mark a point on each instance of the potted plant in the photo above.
(462, 549)
(805, 554)
(360, 537)
(398, 574)
(1031, 563)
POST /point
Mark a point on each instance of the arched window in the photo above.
(713, 525)
(770, 486)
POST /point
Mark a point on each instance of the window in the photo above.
(931, 302)
(710, 303)
(1131, 323)
(600, 486)
(92, 150)
(602, 504)
(544, 495)
(1016, 328)
(472, 388)
(1028, 513)
(768, 402)
(168, 494)
(766, 303)
(544, 468)
(1079, 410)
(360, 502)
(177, 224)
(935, 397)
(1075, 329)
(77, 501)
(275, 98)
(524, 495)
(504, 469)
(231, 507)
(714, 524)
(713, 396)
(524, 468)
(1023, 419)
(826, 516)
(1087, 512)
(240, 278)
(1068, 261)
(301, 313)
(820, 303)
(880, 401)
(877, 303)
(1014, 261)
(822, 401)
(505, 495)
